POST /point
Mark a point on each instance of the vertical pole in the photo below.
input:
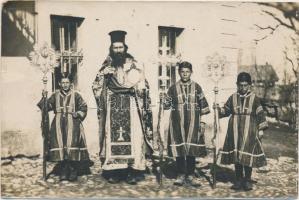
(215, 135)
(69, 44)
(44, 129)
(185, 168)
(159, 134)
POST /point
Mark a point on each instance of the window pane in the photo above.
(66, 36)
(160, 70)
(55, 35)
(168, 71)
(173, 75)
(73, 35)
(172, 39)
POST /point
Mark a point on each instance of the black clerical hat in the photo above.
(117, 36)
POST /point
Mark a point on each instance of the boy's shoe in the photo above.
(237, 185)
(247, 185)
(193, 181)
(73, 174)
(131, 179)
(64, 173)
(180, 180)
(63, 177)
(113, 180)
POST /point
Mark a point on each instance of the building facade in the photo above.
(159, 35)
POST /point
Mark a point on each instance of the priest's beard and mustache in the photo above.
(118, 59)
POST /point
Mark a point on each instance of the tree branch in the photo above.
(280, 21)
(287, 8)
(257, 40)
(292, 23)
(265, 28)
(268, 27)
(292, 63)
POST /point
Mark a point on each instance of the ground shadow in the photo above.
(84, 168)
(168, 166)
(223, 174)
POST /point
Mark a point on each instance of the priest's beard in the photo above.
(118, 59)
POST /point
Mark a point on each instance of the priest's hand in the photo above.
(261, 134)
(75, 115)
(109, 70)
(44, 93)
(162, 95)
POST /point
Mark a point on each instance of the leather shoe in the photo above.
(131, 180)
(180, 180)
(113, 180)
(193, 181)
(64, 173)
(237, 185)
(63, 177)
(247, 185)
(73, 175)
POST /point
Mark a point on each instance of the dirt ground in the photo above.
(21, 177)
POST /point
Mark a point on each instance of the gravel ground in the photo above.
(22, 177)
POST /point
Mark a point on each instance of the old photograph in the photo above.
(149, 99)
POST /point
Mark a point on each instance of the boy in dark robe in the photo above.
(242, 145)
(185, 139)
(67, 143)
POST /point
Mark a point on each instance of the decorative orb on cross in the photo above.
(216, 66)
(44, 59)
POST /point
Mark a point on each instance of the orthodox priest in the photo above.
(67, 143)
(125, 119)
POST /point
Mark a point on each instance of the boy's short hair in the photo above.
(244, 77)
(62, 76)
(185, 64)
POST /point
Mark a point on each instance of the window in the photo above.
(18, 31)
(65, 42)
(167, 56)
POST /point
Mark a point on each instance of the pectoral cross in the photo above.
(121, 131)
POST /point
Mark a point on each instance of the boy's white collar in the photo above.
(246, 94)
(187, 83)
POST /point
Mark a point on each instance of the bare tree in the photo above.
(290, 20)
(285, 15)
(290, 11)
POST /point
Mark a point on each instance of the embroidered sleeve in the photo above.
(260, 115)
(202, 101)
(168, 101)
(147, 112)
(50, 103)
(227, 109)
(81, 106)
(98, 85)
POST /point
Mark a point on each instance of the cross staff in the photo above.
(215, 65)
(159, 131)
(44, 59)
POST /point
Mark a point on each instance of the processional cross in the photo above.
(215, 67)
(44, 59)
